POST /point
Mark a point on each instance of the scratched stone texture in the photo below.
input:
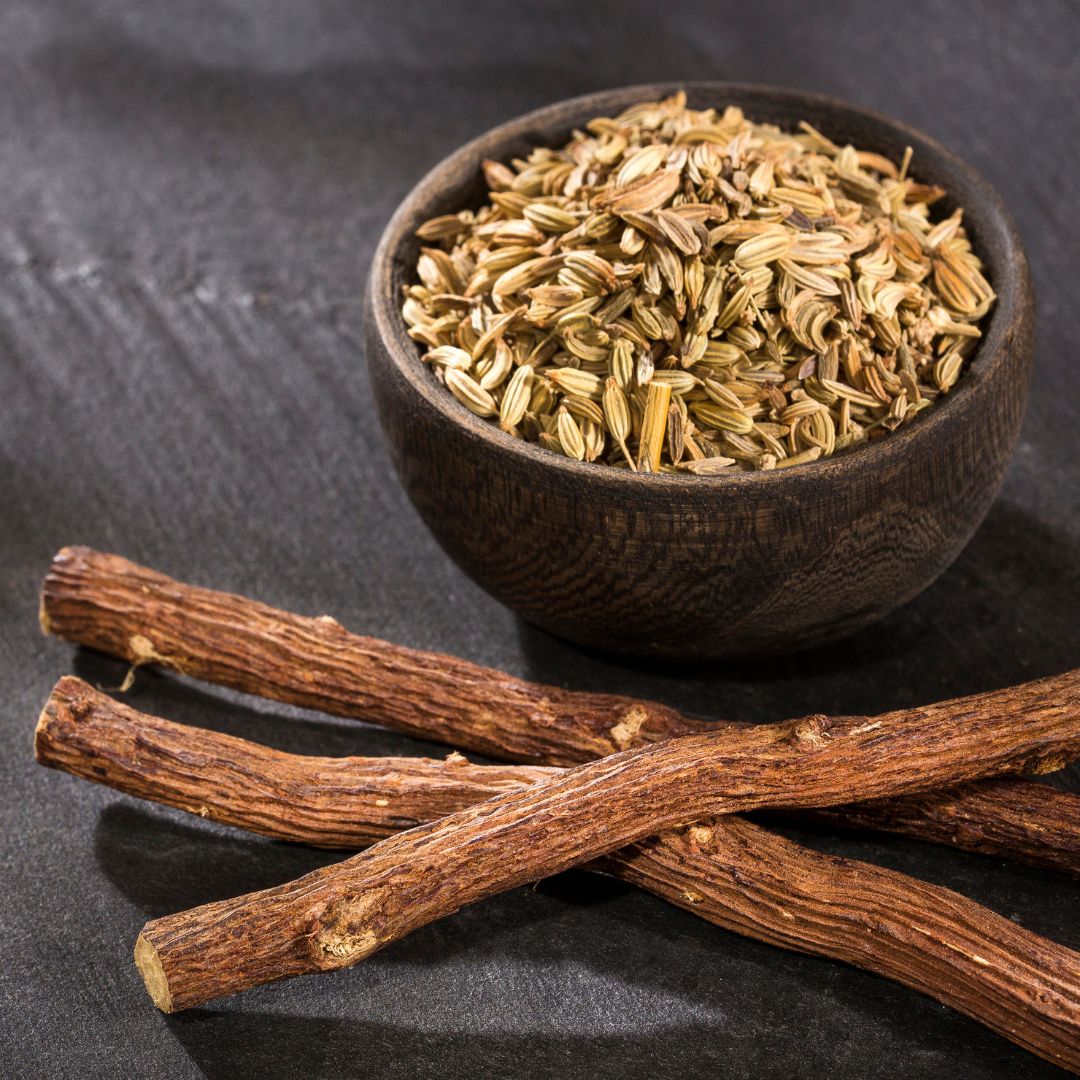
(189, 196)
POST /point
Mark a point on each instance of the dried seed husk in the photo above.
(502, 364)
(947, 371)
(775, 276)
(444, 228)
(681, 382)
(583, 408)
(721, 417)
(573, 381)
(642, 195)
(449, 356)
(643, 373)
(470, 393)
(733, 309)
(678, 232)
(570, 438)
(550, 442)
(549, 219)
(640, 162)
(593, 435)
(800, 459)
(594, 273)
(616, 411)
(622, 364)
(497, 176)
(709, 466)
(556, 296)
(722, 394)
(676, 438)
(761, 250)
(516, 397)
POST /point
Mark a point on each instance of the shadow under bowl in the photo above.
(695, 567)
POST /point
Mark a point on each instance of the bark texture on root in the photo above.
(126, 610)
(726, 870)
(336, 916)
(352, 802)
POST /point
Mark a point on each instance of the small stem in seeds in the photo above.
(654, 426)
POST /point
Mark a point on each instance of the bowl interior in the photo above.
(457, 183)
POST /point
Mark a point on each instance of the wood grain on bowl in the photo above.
(704, 567)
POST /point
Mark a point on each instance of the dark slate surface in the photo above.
(190, 194)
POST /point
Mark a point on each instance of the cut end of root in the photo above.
(153, 974)
(40, 741)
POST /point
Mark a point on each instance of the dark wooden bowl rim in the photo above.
(1006, 276)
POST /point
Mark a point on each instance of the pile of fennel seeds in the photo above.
(684, 290)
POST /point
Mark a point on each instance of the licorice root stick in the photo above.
(338, 915)
(118, 607)
(726, 870)
(355, 801)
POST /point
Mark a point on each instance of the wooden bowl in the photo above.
(689, 566)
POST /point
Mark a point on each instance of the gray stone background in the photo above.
(189, 196)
